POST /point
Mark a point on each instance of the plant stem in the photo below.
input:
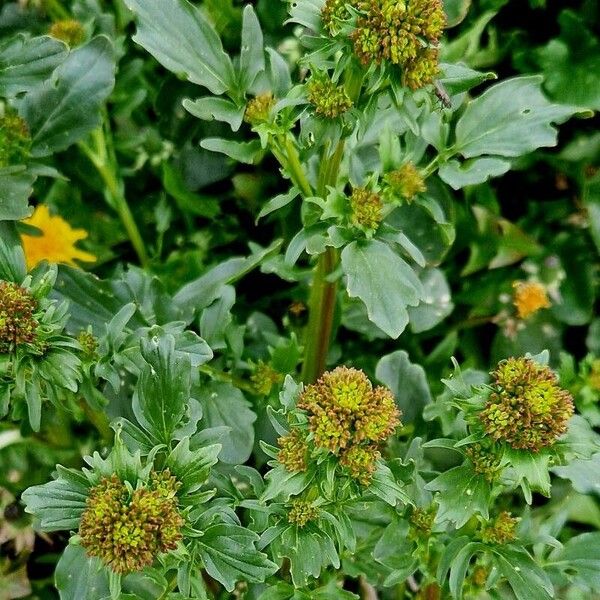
(295, 167)
(227, 378)
(103, 158)
(320, 318)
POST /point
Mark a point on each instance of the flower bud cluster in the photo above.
(302, 512)
(126, 529)
(366, 209)
(329, 99)
(406, 181)
(69, 31)
(484, 461)
(17, 321)
(401, 32)
(259, 109)
(348, 417)
(15, 140)
(501, 530)
(527, 408)
(264, 378)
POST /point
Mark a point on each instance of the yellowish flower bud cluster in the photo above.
(484, 462)
(329, 99)
(401, 32)
(15, 140)
(348, 417)
(501, 530)
(366, 209)
(89, 344)
(69, 31)
(17, 322)
(406, 182)
(302, 512)
(293, 451)
(527, 408)
(127, 529)
(259, 109)
(264, 378)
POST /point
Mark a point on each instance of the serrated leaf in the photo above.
(244, 152)
(163, 389)
(472, 172)
(229, 555)
(462, 494)
(220, 109)
(63, 109)
(58, 504)
(25, 62)
(383, 281)
(579, 560)
(494, 123)
(192, 467)
(177, 34)
(16, 185)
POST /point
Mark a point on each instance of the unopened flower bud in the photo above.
(17, 322)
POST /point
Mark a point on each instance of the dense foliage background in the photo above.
(180, 244)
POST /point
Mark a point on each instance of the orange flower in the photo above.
(56, 244)
(529, 297)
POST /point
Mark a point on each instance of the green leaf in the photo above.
(252, 56)
(229, 555)
(584, 474)
(307, 13)
(525, 576)
(197, 204)
(436, 304)
(456, 11)
(384, 486)
(579, 560)
(495, 122)
(79, 577)
(12, 257)
(63, 109)
(192, 467)
(383, 281)
(58, 504)
(163, 390)
(407, 381)
(462, 494)
(220, 109)
(16, 185)
(472, 172)
(177, 34)
(26, 62)
(225, 405)
(530, 471)
(571, 63)
(244, 152)
(458, 78)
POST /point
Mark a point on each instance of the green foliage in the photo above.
(337, 337)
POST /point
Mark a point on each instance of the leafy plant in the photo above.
(308, 415)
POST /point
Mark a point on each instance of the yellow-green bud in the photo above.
(264, 378)
(89, 344)
(69, 31)
(334, 11)
(401, 32)
(127, 530)
(15, 140)
(421, 520)
(406, 181)
(293, 451)
(501, 530)
(329, 100)
(527, 408)
(17, 323)
(366, 209)
(344, 409)
(302, 512)
(360, 462)
(484, 462)
(259, 109)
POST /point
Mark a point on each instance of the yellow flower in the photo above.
(529, 297)
(56, 244)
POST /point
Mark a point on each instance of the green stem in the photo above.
(103, 158)
(99, 420)
(295, 167)
(320, 318)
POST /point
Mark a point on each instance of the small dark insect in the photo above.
(442, 94)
